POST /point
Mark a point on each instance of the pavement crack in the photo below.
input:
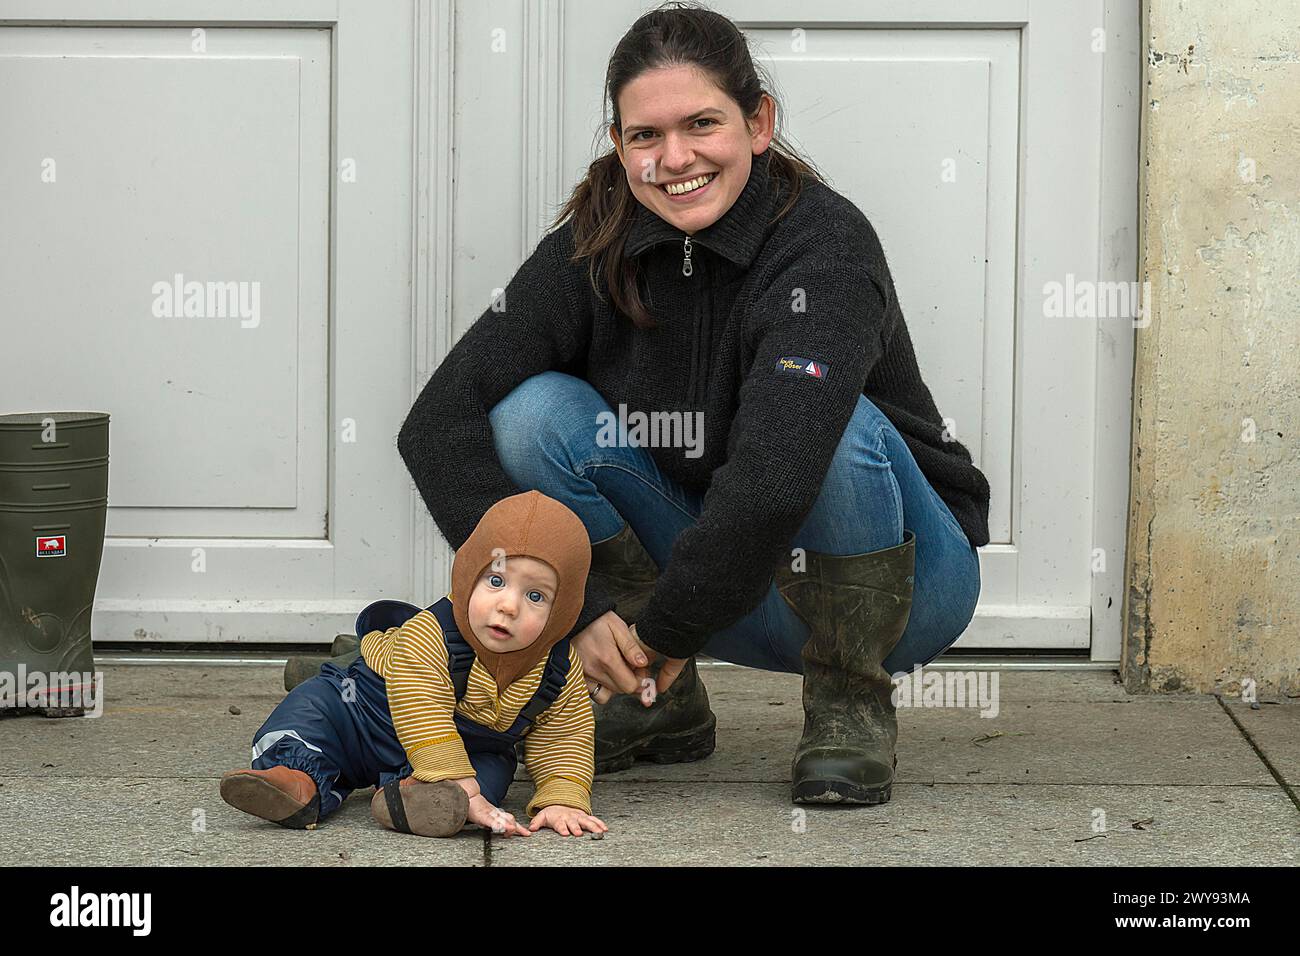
(1268, 764)
(487, 847)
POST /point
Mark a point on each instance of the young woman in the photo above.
(708, 363)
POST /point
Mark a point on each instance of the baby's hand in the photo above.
(567, 821)
(494, 818)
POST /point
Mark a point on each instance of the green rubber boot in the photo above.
(679, 726)
(856, 607)
(53, 506)
(346, 649)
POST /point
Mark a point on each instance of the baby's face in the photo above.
(511, 602)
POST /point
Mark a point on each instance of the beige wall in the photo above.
(1214, 537)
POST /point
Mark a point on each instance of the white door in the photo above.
(972, 135)
(207, 232)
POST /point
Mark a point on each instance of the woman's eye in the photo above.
(703, 119)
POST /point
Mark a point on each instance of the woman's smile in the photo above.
(693, 194)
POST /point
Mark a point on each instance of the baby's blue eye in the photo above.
(540, 596)
(495, 579)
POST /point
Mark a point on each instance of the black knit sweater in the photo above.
(772, 336)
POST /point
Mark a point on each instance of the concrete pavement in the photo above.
(1071, 770)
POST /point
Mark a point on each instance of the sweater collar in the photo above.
(736, 236)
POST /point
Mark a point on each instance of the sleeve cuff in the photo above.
(666, 637)
(559, 790)
(441, 759)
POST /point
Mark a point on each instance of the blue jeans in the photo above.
(545, 436)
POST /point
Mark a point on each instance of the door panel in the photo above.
(208, 234)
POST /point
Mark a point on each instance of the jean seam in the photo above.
(894, 485)
(645, 479)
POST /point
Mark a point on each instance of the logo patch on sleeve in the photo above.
(802, 366)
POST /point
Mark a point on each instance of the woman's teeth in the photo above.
(678, 189)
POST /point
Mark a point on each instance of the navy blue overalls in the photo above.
(336, 726)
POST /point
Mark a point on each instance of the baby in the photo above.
(432, 710)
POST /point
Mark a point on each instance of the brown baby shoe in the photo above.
(416, 806)
(282, 795)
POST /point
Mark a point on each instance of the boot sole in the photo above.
(430, 811)
(840, 791)
(257, 797)
(683, 747)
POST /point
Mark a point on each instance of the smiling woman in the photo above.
(822, 521)
(687, 102)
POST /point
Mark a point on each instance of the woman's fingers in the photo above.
(630, 647)
(673, 666)
(599, 653)
(601, 695)
(612, 656)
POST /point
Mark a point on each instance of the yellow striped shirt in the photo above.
(559, 751)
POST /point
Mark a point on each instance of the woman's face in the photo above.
(677, 125)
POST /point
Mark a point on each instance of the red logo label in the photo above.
(52, 547)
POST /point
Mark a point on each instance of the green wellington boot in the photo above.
(856, 607)
(53, 508)
(678, 726)
(346, 649)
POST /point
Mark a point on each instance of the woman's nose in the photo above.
(677, 156)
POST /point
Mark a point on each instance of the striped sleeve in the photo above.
(421, 700)
(374, 649)
(559, 752)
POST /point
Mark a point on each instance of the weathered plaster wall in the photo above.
(1214, 524)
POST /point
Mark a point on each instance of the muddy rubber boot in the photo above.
(279, 795)
(302, 667)
(53, 506)
(679, 726)
(437, 809)
(623, 567)
(856, 608)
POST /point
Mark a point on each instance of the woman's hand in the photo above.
(612, 658)
(566, 821)
(669, 672)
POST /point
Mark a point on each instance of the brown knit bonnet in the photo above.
(533, 525)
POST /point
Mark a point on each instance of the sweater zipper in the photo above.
(701, 336)
(704, 332)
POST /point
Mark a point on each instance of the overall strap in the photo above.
(460, 656)
(553, 680)
(381, 615)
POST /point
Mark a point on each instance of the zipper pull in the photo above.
(687, 266)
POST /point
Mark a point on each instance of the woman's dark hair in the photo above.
(602, 205)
